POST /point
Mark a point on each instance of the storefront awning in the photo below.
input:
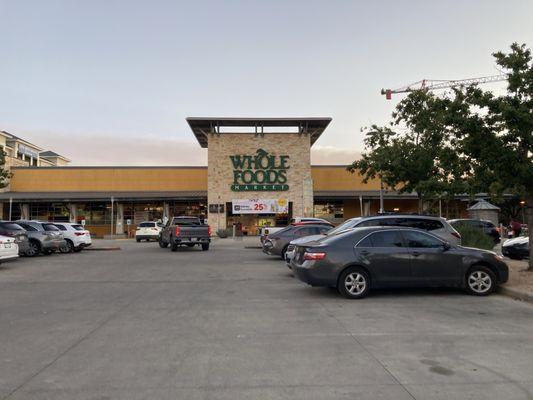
(201, 127)
(34, 197)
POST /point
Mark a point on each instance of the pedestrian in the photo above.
(516, 227)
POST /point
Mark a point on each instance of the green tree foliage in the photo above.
(4, 174)
(495, 133)
(469, 141)
(415, 153)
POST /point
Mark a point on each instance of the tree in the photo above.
(4, 174)
(414, 154)
(494, 134)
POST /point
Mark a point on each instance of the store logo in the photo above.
(260, 172)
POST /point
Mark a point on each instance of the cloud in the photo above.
(139, 150)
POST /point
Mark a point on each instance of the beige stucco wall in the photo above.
(220, 169)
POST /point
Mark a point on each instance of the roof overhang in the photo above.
(202, 127)
(34, 197)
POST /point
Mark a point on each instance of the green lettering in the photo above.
(238, 162)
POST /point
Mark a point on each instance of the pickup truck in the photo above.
(185, 231)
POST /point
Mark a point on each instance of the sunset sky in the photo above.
(111, 82)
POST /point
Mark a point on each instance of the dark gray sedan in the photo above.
(277, 243)
(363, 258)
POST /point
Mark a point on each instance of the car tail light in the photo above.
(79, 233)
(209, 231)
(457, 235)
(314, 256)
(177, 231)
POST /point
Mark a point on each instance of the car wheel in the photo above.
(354, 283)
(138, 240)
(68, 247)
(34, 248)
(162, 244)
(480, 281)
(174, 247)
(205, 246)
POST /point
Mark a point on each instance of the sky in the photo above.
(107, 82)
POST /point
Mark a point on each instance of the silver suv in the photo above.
(436, 225)
(44, 237)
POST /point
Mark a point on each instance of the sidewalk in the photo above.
(520, 283)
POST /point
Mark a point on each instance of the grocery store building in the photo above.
(258, 173)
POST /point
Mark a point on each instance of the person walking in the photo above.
(516, 227)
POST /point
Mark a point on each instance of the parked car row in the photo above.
(30, 238)
(386, 251)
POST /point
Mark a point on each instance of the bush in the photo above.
(474, 237)
(223, 233)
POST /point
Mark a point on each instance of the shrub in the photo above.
(223, 233)
(474, 237)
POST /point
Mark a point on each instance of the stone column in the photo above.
(166, 212)
(73, 210)
(24, 211)
(119, 223)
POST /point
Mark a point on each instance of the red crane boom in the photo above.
(431, 84)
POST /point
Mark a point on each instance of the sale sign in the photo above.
(260, 206)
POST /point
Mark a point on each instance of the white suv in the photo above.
(148, 230)
(75, 235)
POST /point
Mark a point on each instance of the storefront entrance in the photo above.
(250, 224)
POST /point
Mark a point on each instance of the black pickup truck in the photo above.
(185, 231)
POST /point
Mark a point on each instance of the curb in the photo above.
(516, 294)
(101, 248)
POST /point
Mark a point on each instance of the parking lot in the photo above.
(232, 323)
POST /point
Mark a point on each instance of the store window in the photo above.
(331, 210)
(97, 213)
(192, 208)
(56, 212)
(16, 211)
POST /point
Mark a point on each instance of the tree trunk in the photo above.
(529, 221)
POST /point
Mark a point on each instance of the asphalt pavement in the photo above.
(232, 323)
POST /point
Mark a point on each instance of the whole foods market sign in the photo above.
(260, 206)
(259, 172)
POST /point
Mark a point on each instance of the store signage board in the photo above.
(260, 206)
(260, 172)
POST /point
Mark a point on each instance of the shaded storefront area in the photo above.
(117, 215)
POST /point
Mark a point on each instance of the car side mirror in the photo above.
(446, 246)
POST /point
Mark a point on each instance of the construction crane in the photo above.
(431, 84)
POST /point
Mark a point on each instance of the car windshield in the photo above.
(345, 225)
(186, 221)
(147, 224)
(61, 227)
(11, 226)
(50, 227)
(78, 227)
(29, 227)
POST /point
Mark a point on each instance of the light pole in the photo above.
(112, 216)
(381, 201)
